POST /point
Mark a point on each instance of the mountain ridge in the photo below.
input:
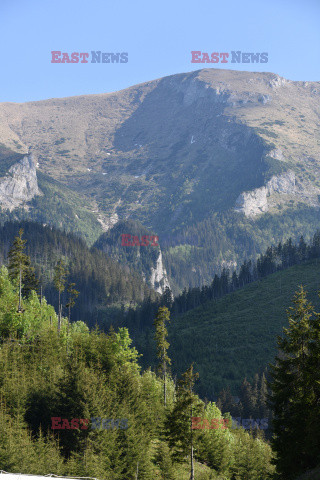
(173, 152)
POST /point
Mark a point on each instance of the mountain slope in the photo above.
(180, 150)
(235, 336)
(145, 259)
(106, 288)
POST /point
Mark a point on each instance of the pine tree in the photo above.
(73, 295)
(19, 263)
(59, 280)
(263, 397)
(162, 318)
(226, 403)
(179, 421)
(70, 402)
(293, 390)
(167, 298)
(164, 460)
(247, 398)
(30, 281)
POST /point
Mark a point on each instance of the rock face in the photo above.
(285, 183)
(252, 203)
(158, 278)
(20, 184)
(256, 202)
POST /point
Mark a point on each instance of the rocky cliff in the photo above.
(158, 278)
(256, 202)
(20, 184)
(261, 200)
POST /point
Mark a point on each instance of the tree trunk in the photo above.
(165, 384)
(59, 315)
(191, 449)
(192, 464)
(20, 290)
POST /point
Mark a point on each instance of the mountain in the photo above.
(218, 163)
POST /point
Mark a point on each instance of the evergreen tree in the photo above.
(167, 298)
(162, 318)
(73, 295)
(179, 421)
(30, 281)
(164, 460)
(18, 262)
(71, 402)
(225, 402)
(302, 249)
(293, 398)
(263, 398)
(59, 280)
(247, 398)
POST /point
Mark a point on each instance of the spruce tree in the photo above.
(179, 421)
(73, 295)
(19, 263)
(167, 298)
(162, 318)
(59, 280)
(263, 398)
(164, 461)
(30, 281)
(293, 399)
(247, 398)
(72, 402)
(226, 403)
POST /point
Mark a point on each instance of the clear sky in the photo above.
(158, 36)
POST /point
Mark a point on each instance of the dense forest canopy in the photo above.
(76, 401)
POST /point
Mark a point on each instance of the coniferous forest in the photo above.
(76, 398)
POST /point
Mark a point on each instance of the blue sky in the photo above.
(158, 37)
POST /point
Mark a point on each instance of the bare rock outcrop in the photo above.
(158, 278)
(20, 184)
(255, 202)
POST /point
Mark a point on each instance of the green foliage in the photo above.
(20, 269)
(26, 323)
(255, 314)
(106, 289)
(72, 296)
(230, 238)
(59, 281)
(83, 374)
(120, 346)
(295, 390)
(178, 424)
(161, 334)
(164, 461)
(60, 274)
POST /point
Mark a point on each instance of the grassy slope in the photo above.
(236, 335)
